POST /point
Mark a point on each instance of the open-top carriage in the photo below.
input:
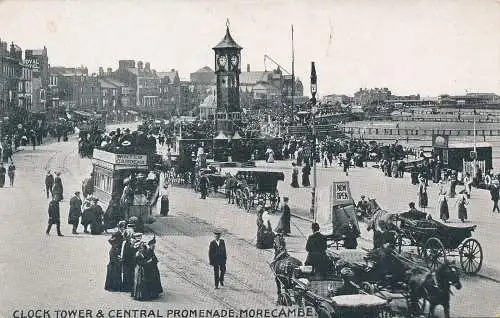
(255, 186)
(436, 241)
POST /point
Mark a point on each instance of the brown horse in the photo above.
(283, 266)
(433, 287)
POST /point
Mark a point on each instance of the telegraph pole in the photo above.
(314, 89)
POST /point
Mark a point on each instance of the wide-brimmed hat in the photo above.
(126, 143)
(122, 224)
(217, 231)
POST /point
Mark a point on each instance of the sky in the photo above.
(410, 46)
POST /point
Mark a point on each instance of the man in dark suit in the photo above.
(49, 183)
(316, 247)
(54, 216)
(75, 211)
(217, 256)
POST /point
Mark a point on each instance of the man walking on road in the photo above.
(217, 256)
(11, 171)
(54, 217)
(49, 183)
(495, 195)
(75, 211)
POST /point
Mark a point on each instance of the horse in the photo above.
(433, 287)
(283, 266)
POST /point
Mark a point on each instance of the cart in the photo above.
(215, 180)
(435, 241)
(258, 186)
(316, 293)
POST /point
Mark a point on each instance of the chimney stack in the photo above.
(109, 71)
(139, 65)
(147, 67)
(248, 67)
(101, 71)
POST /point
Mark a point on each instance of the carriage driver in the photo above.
(363, 205)
(347, 287)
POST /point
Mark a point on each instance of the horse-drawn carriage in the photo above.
(214, 179)
(299, 285)
(255, 186)
(435, 241)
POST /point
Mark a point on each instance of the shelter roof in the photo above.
(469, 145)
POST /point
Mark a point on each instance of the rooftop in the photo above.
(227, 42)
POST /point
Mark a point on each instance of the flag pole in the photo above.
(293, 81)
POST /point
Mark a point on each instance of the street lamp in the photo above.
(314, 90)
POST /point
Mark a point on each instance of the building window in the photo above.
(114, 92)
(92, 89)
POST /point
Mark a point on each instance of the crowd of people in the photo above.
(133, 264)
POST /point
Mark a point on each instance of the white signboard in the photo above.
(120, 159)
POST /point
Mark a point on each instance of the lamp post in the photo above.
(314, 89)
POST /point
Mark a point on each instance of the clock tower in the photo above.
(227, 70)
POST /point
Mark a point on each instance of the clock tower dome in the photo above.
(227, 70)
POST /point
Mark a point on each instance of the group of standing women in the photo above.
(447, 190)
(133, 265)
(306, 172)
(10, 171)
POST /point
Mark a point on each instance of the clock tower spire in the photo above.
(227, 70)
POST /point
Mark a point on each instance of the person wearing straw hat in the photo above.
(217, 255)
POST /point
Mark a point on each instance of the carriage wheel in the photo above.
(325, 310)
(471, 256)
(284, 299)
(434, 253)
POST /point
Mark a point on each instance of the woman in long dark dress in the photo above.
(114, 273)
(284, 223)
(57, 190)
(129, 251)
(147, 283)
(422, 194)
(3, 171)
(306, 171)
(295, 176)
(462, 209)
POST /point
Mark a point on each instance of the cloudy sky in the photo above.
(426, 47)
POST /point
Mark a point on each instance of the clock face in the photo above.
(234, 60)
(222, 60)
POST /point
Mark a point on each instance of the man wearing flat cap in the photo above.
(217, 257)
(75, 211)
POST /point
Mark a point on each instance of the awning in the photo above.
(221, 136)
(236, 136)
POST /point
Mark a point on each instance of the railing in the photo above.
(419, 132)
